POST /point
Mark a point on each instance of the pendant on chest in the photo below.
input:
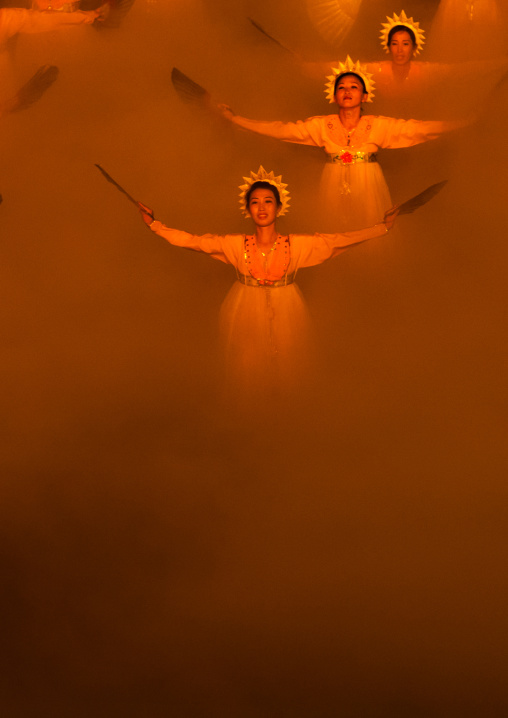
(270, 266)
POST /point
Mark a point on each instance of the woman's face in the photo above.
(349, 93)
(401, 48)
(263, 207)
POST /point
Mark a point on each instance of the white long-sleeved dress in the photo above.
(264, 323)
(353, 192)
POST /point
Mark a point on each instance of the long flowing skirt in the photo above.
(352, 196)
(266, 339)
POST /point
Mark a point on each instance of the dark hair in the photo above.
(353, 74)
(402, 28)
(261, 184)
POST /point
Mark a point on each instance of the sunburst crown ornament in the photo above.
(345, 68)
(263, 176)
(406, 21)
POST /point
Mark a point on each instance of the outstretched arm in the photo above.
(307, 133)
(391, 133)
(212, 244)
(18, 20)
(303, 133)
(320, 247)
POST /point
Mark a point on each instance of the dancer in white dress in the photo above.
(407, 87)
(353, 191)
(264, 322)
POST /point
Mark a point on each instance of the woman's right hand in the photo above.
(146, 213)
(225, 111)
(100, 13)
(390, 216)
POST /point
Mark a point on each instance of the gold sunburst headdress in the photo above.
(346, 68)
(263, 176)
(405, 21)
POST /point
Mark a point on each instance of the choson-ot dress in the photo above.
(353, 192)
(264, 323)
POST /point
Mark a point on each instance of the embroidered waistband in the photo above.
(250, 281)
(344, 157)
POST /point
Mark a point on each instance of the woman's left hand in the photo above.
(101, 13)
(390, 216)
(146, 213)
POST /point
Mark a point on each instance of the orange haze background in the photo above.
(343, 554)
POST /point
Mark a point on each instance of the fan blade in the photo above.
(420, 199)
(270, 37)
(115, 184)
(188, 90)
(33, 89)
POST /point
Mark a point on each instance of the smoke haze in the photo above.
(343, 554)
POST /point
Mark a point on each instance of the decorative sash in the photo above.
(265, 283)
(345, 157)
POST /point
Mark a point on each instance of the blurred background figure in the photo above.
(405, 86)
(401, 79)
(56, 5)
(44, 16)
(16, 21)
(469, 30)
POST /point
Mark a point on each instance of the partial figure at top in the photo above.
(20, 20)
(466, 30)
(406, 86)
(400, 76)
(56, 5)
(47, 16)
(112, 11)
(15, 21)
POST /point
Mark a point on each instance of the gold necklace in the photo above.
(271, 248)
